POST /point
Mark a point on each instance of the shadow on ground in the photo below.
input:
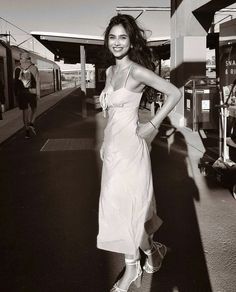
(49, 203)
(184, 268)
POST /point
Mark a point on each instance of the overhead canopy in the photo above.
(160, 47)
(67, 46)
(205, 13)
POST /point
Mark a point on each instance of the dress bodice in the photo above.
(120, 98)
(111, 99)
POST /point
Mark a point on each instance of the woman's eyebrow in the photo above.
(121, 35)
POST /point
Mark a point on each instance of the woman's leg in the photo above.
(25, 116)
(32, 114)
(132, 269)
(155, 253)
(147, 242)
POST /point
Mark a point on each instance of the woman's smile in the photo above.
(117, 49)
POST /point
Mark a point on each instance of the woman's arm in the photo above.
(37, 79)
(106, 84)
(108, 76)
(173, 95)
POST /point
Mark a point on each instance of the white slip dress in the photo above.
(127, 208)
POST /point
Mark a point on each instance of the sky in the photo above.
(89, 17)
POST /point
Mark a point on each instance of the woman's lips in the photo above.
(117, 49)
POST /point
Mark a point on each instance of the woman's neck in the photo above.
(122, 64)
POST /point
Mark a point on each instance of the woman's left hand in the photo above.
(144, 130)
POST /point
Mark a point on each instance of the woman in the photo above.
(127, 212)
(27, 90)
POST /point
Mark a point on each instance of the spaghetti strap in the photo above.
(127, 76)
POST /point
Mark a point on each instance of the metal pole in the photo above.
(225, 147)
(194, 105)
(83, 80)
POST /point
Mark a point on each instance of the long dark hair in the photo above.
(139, 52)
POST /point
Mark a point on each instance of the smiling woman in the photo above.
(127, 209)
(118, 42)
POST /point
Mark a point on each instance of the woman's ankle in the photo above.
(129, 275)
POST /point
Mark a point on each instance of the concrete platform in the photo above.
(12, 119)
(49, 189)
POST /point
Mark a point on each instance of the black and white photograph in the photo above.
(118, 146)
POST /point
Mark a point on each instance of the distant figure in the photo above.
(2, 98)
(27, 91)
(127, 209)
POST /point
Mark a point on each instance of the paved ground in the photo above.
(49, 189)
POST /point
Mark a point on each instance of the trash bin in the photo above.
(200, 97)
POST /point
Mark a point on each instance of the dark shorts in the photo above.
(27, 99)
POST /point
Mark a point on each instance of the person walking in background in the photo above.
(127, 208)
(27, 91)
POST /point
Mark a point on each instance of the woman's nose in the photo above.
(117, 41)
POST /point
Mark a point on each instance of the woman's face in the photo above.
(118, 41)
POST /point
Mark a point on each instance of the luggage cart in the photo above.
(223, 168)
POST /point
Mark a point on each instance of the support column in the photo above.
(83, 80)
(188, 48)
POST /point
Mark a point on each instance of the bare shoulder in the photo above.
(141, 73)
(108, 70)
(138, 71)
